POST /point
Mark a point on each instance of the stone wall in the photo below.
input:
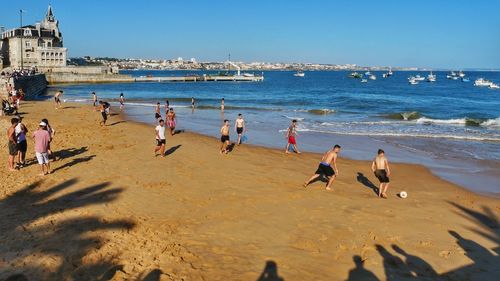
(56, 78)
(32, 86)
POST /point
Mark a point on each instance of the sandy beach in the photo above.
(113, 211)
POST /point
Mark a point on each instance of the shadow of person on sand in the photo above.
(70, 152)
(270, 272)
(172, 149)
(359, 272)
(74, 162)
(361, 178)
(394, 267)
(45, 239)
(417, 265)
(117, 122)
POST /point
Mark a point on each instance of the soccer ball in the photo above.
(403, 194)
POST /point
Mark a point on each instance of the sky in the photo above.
(427, 33)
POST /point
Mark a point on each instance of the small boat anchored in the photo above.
(372, 77)
(299, 73)
(481, 82)
(431, 77)
(355, 75)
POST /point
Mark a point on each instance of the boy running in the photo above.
(57, 99)
(239, 127)
(224, 131)
(291, 134)
(325, 167)
(104, 114)
(380, 167)
(160, 138)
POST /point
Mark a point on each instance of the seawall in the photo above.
(68, 77)
(32, 85)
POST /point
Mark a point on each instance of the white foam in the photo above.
(491, 123)
(425, 120)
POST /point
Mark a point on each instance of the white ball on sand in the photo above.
(403, 194)
(64, 100)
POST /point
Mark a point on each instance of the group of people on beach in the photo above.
(18, 145)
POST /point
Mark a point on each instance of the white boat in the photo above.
(481, 82)
(299, 74)
(248, 74)
(431, 77)
(455, 78)
(384, 75)
(461, 74)
(372, 77)
(412, 81)
(368, 73)
(452, 75)
(494, 86)
(364, 80)
(419, 78)
(465, 79)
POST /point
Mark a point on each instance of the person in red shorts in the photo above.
(291, 134)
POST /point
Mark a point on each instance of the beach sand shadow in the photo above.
(270, 272)
(117, 122)
(172, 149)
(230, 147)
(70, 152)
(74, 162)
(361, 178)
(34, 236)
(176, 132)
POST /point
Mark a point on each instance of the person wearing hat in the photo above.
(42, 139)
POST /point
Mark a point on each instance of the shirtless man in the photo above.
(192, 102)
(224, 131)
(11, 136)
(157, 111)
(290, 135)
(380, 167)
(240, 127)
(325, 167)
(57, 99)
(94, 99)
(222, 105)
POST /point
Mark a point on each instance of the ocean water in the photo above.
(450, 126)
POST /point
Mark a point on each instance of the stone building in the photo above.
(39, 45)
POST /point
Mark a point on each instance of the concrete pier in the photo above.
(199, 79)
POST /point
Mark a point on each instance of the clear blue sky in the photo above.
(425, 33)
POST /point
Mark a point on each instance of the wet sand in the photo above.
(112, 211)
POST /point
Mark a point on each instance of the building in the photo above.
(39, 45)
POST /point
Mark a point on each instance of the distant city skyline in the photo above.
(435, 34)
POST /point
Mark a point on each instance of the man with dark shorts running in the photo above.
(325, 167)
(380, 167)
(224, 131)
(104, 113)
(11, 136)
(160, 138)
(158, 111)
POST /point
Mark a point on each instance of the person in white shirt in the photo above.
(160, 138)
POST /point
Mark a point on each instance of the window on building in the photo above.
(27, 32)
(27, 44)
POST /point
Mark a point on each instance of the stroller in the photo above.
(7, 108)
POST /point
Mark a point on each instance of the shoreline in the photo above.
(112, 209)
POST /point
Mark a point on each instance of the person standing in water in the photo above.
(222, 104)
(160, 138)
(291, 133)
(122, 101)
(157, 111)
(171, 122)
(94, 99)
(380, 167)
(192, 102)
(167, 107)
(325, 168)
(224, 131)
(240, 127)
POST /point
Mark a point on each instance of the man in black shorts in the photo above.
(104, 113)
(224, 131)
(380, 167)
(240, 127)
(325, 167)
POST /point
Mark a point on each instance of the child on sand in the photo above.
(380, 167)
(160, 138)
(94, 100)
(290, 134)
(42, 139)
(57, 99)
(224, 131)
(325, 167)
(104, 113)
